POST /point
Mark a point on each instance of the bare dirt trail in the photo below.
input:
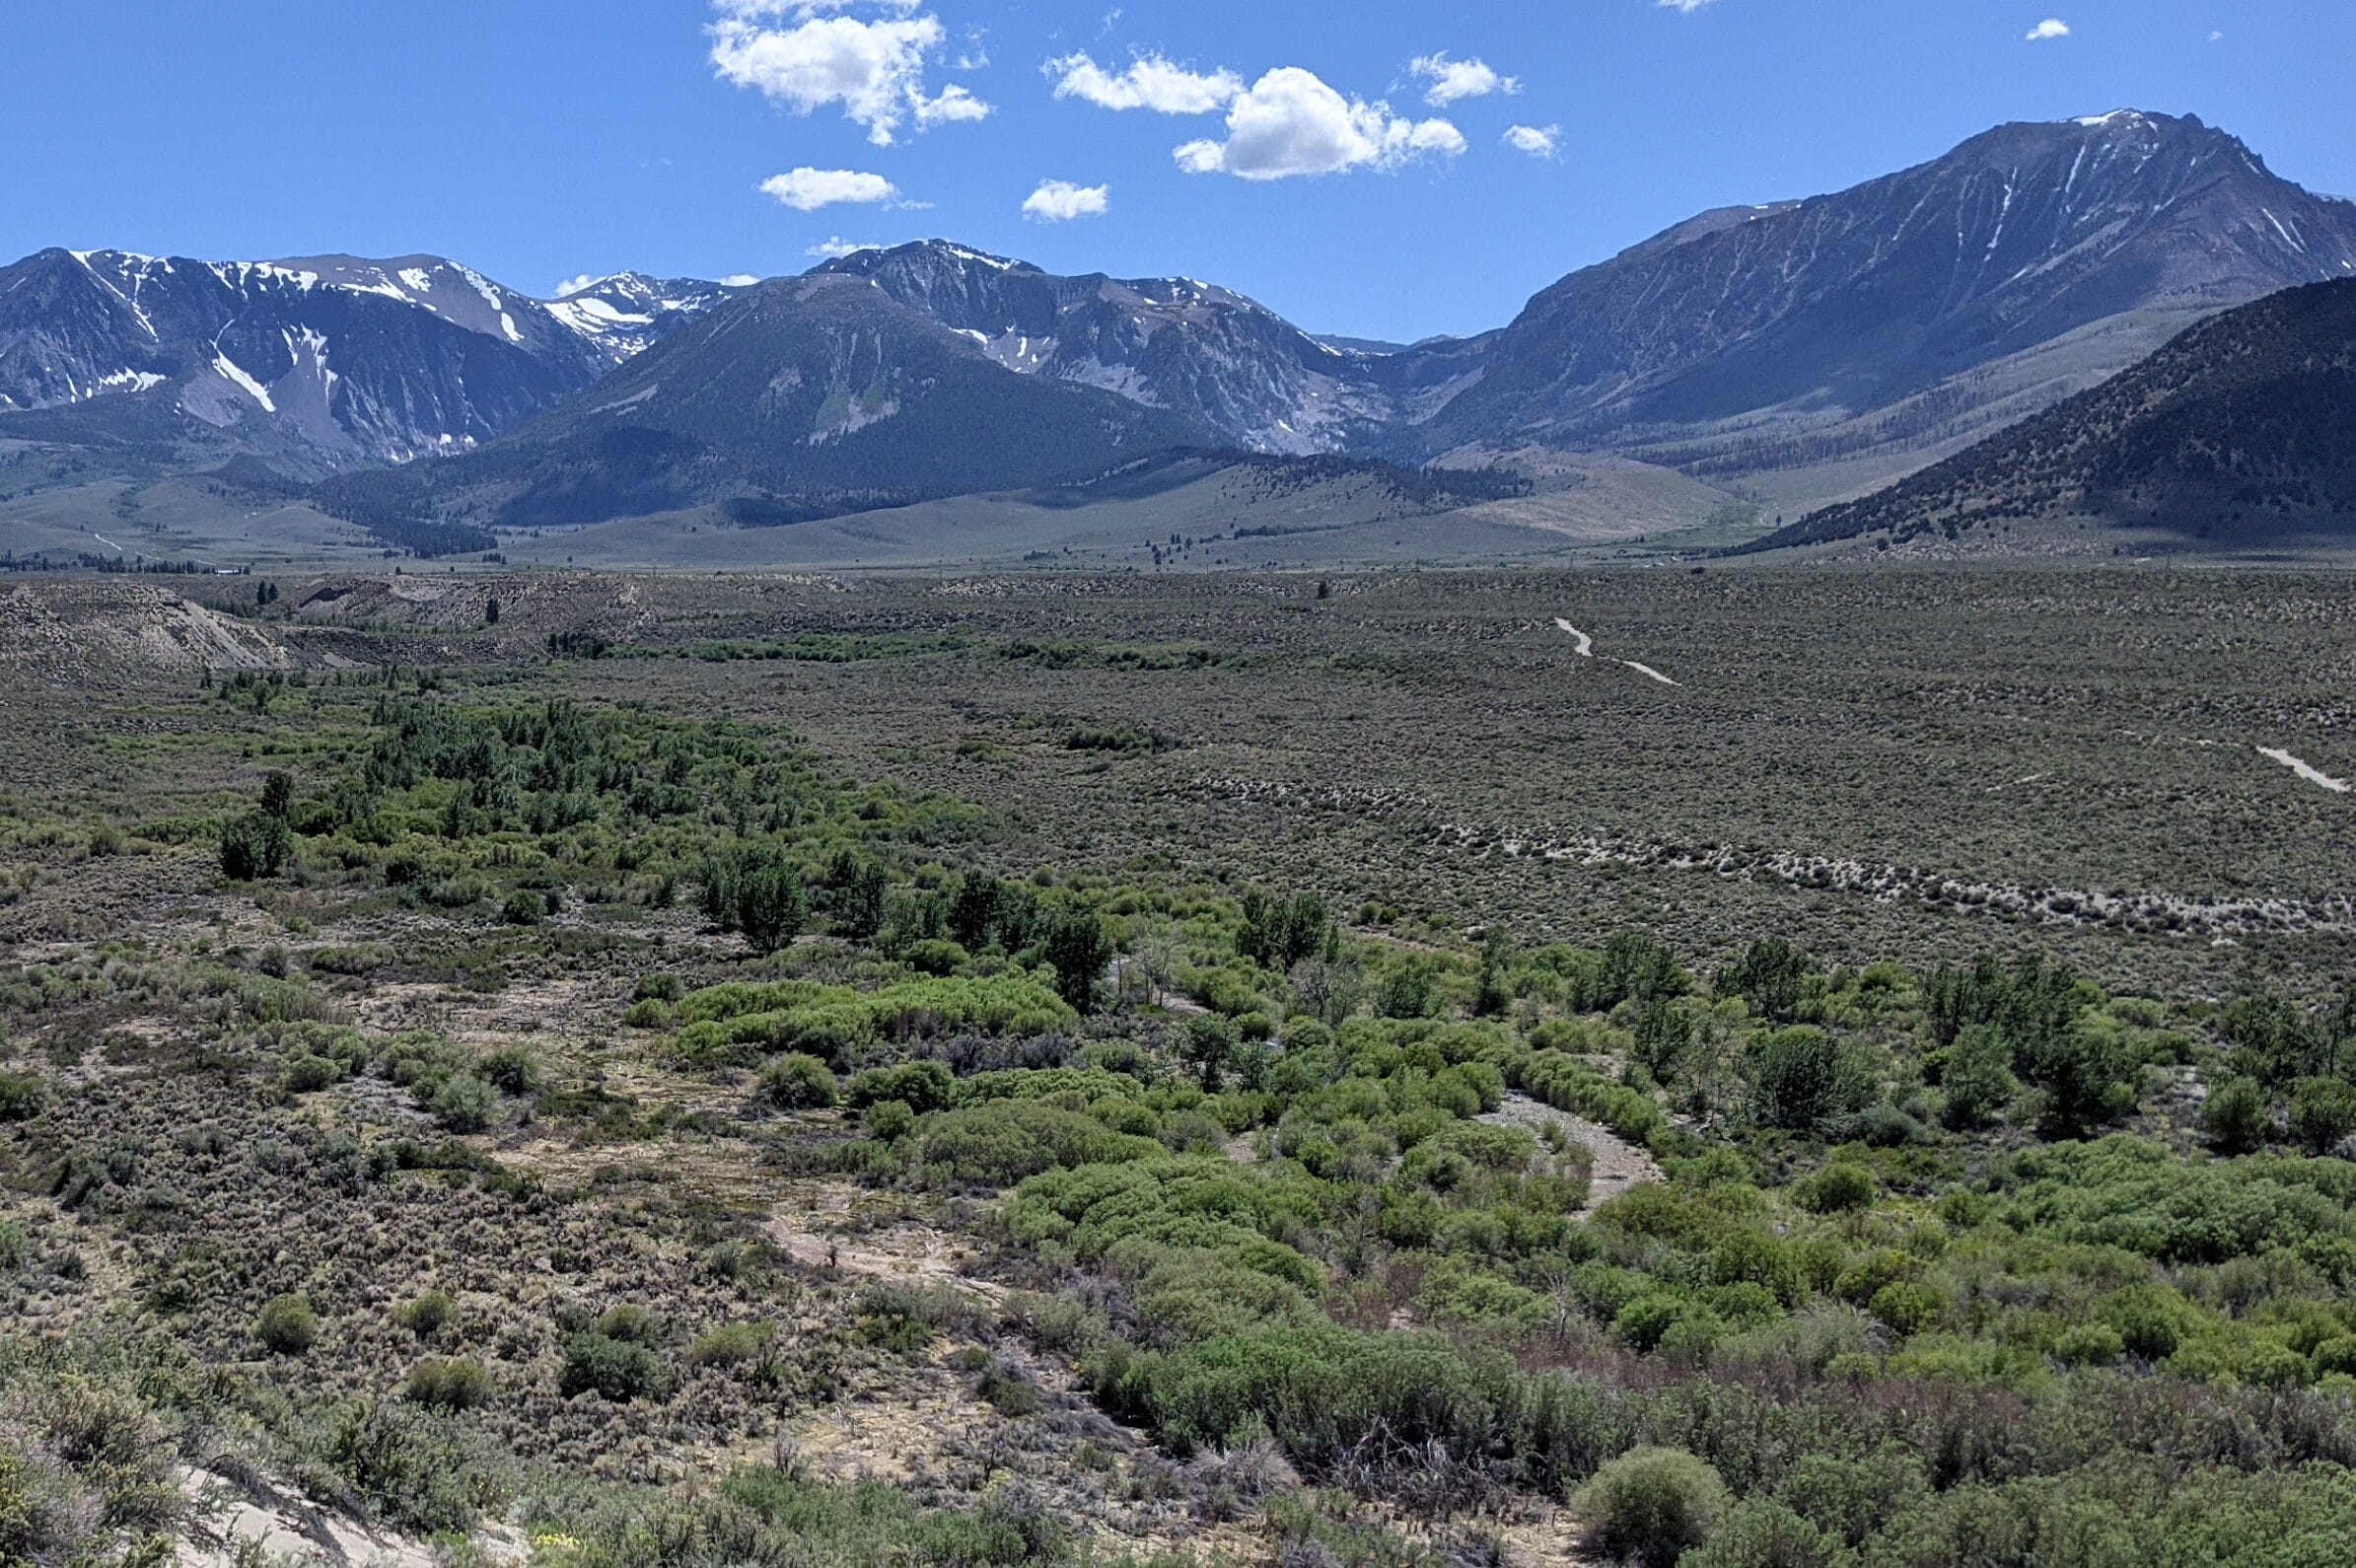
(821, 1226)
(2313, 776)
(260, 1521)
(1587, 650)
(1619, 1163)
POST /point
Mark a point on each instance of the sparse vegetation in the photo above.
(599, 1085)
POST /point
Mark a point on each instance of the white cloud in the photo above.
(1538, 141)
(1289, 122)
(804, 10)
(951, 105)
(836, 247)
(1452, 80)
(738, 280)
(1151, 82)
(1688, 6)
(808, 190)
(1060, 201)
(874, 69)
(572, 286)
(2050, 27)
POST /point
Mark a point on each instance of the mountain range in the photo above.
(1801, 350)
(2242, 432)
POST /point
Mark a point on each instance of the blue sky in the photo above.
(542, 139)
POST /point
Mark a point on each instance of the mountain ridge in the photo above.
(1822, 345)
(1849, 303)
(2241, 430)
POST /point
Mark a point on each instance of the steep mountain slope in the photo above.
(2241, 431)
(316, 363)
(1757, 338)
(1175, 343)
(797, 398)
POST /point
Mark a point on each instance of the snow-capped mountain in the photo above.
(629, 312)
(798, 397)
(320, 362)
(1854, 336)
(1175, 343)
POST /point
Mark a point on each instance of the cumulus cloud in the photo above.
(572, 286)
(835, 247)
(1060, 201)
(2050, 27)
(1151, 82)
(1290, 123)
(740, 280)
(1538, 141)
(804, 55)
(951, 104)
(1452, 80)
(1687, 7)
(808, 190)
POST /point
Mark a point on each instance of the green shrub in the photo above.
(1839, 1188)
(2323, 1114)
(1762, 1532)
(1905, 1308)
(2335, 1356)
(615, 1370)
(1079, 949)
(1802, 1078)
(630, 1324)
(888, 1120)
(799, 1083)
(1322, 1392)
(256, 846)
(1653, 1505)
(2088, 1072)
(753, 889)
(922, 1087)
(464, 1103)
(512, 1070)
(2090, 1345)
(2234, 1117)
(1002, 1142)
(416, 1468)
(447, 1384)
(1772, 975)
(524, 907)
(1977, 1078)
(308, 1074)
(286, 1325)
(2152, 1321)
(936, 956)
(659, 989)
(427, 1316)
(732, 1345)
(1645, 1322)
(21, 1097)
(1851, 1498)
(1005, 1390)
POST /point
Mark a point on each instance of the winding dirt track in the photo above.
(1587, 650)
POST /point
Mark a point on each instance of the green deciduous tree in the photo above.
(1079, 950)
